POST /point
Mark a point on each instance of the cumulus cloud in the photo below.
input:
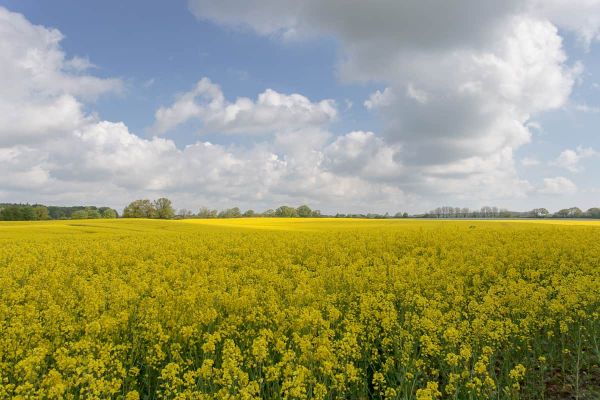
(52, 150)
(271, 112)
(40, 87)
(570, 159)
(462, 80)
(558, 186)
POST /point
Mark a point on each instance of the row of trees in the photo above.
(163, 208)
(495, 212)
(90, 213)
(23, 212)
(373, 215)
(464, 212)
(39, 212)
(576, 212)
(303, 211)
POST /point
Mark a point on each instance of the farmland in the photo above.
(305, 308)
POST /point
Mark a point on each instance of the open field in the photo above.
(300, 308)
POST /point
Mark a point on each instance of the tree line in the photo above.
(495, 212)
(162, 208)
(40, 212)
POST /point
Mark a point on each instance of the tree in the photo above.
(41, 213)
(405, 215)
(185, 213)
(316, 213)
(573, 212)
(164, 208)
(286, 212)
(539, 213)
(140, 209)
(93, 213)
(249, 213)
(79, 214)
(206, 213)
(593, 213)
(230, 213)
(17, 212)
(304, 211)
(269, 213)
(109, 213)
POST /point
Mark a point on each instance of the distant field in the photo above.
(300, 308)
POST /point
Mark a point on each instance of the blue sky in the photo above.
(160, 49)
(472, 115)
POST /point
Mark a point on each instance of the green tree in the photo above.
(230, 213)
(140, 209)
(93, 213)
(249, 213)
(79, 214)
(109, 213)
(304, 211)
(205, 212)
(539, 213)
(286, 212)
(41, 213)
(593, 213)
(164, 208)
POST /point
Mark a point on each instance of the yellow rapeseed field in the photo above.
(300, 308)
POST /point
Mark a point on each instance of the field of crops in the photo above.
(295, 309)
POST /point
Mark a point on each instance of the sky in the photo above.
(345, 105)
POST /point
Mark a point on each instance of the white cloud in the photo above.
(579, 16)
(40, 87)
(570, 159)
(474, 74)
(419, 95)
(361, 154)
(271, 112)
(52, 150)
(380, 99)
(558, 186)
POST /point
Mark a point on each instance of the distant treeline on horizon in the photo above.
(40, 212)
(162, 209)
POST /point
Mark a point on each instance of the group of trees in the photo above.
(93, 213)
(160, 208)
(575, 212)
(373, 215)
(464, 212)
(23, 212)
(303, 211)
(495, 212)
(39, 212)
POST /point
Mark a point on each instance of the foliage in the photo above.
(23, 212)
(140, 209)
(79, 214)
(164, 208)
(299, 308)
(286, 212)
(109, 213)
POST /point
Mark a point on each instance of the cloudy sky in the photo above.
(345, 105)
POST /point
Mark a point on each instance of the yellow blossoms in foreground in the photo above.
(299, 309)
